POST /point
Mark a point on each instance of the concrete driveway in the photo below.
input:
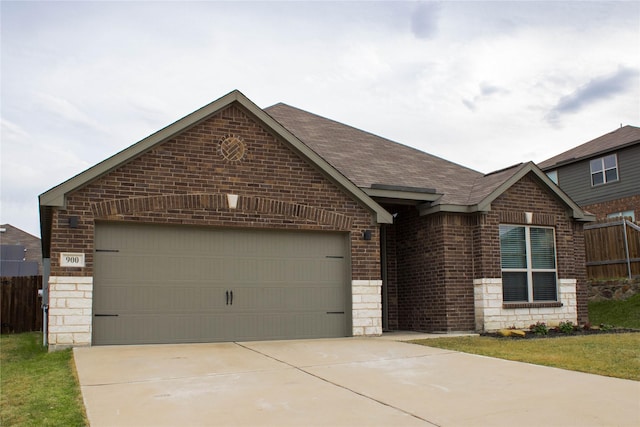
(339, 382)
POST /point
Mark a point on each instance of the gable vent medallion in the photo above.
(233, 148)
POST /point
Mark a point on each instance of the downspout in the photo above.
(46, 269)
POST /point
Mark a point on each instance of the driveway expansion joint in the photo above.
(300, 369)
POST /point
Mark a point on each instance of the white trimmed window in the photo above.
(528, 260)
(604, 170)
(622, 215)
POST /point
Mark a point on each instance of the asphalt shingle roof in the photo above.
(624, 136)
(367, 159)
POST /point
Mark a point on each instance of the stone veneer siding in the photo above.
(70, 311)
(367, 307)
(184, 181)
(492, 314)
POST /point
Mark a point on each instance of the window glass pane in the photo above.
(544, 286)
(596, 165)
(610, 161)
(625, 214)
(597, 178)
(513, 252)
(542, 248)
(514, 286)
(553, 176)
(612, 175)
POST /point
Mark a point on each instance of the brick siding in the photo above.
(601, 210)
(439, 256)
(185, 181)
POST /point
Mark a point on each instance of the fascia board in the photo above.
(402, 195)
(56, 196)
(428, 210)
(576, 212)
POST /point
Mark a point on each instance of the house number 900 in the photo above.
(71, 260)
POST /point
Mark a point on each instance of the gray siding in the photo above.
(575, 179)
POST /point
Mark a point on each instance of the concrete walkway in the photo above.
(339, 382)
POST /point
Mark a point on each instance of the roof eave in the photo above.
(576, 212)
(428, 209)
(57, 195)
(401, 195)
(600, 153)
(485, 204)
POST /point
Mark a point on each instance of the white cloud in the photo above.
(472, 82)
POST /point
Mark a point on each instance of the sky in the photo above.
(483, 84)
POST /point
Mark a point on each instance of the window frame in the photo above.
(603, 170)
(628, 213)
(529, 269)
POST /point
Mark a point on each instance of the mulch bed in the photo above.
(554, 333)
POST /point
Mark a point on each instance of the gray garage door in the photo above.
(165, 284)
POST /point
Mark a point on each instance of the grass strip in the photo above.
(625, 314)
(38, 387)
(612, 355)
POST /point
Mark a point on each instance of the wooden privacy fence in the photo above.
(21, 306)
(612, 249)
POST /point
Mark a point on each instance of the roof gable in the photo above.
(56, 196)
(619, 138)
(490, 186)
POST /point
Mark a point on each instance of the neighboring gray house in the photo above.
(20, 253)
(602, 175)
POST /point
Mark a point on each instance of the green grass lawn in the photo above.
(625, 314)
(37, 388)
(613, 355)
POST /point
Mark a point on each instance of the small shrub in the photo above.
(539, 328)
(566, 327)
(606, 327)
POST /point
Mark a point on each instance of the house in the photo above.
(20, 253)
(602, 175)
(241, 223)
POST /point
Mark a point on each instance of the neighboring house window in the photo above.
(553, 176)
(623, 214)
(528, 259)
(604, 170)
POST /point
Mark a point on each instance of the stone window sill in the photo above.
(531, 304)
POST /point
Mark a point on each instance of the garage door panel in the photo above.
(158, 329)
(151, 299)
(170, 284)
